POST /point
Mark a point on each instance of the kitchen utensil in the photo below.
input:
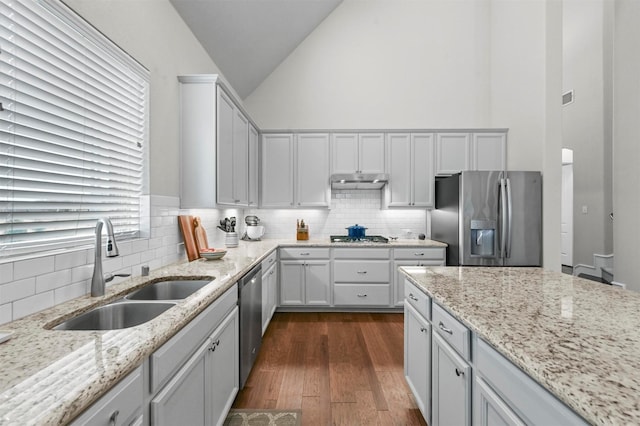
(356, 231)
(185, 223)
(231, 239)
(221, 228)
(255, 232)
(232, 223)
(252, 220)
(227, 224)
(200, 234)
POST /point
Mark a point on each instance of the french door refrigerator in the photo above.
(489, 218)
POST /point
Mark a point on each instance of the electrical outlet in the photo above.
(585, 210)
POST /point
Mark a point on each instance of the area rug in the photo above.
(263, 418)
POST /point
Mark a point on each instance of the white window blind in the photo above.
(73, 129)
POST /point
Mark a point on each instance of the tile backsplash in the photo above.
(28, 285)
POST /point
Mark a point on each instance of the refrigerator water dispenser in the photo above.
(483, 238)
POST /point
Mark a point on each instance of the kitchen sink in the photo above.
(116, 316)
(168, 290)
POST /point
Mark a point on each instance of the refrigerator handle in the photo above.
(509, 218)
(502, 214)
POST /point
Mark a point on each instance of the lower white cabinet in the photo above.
(490, 410)
(122, 405)
(418, 256)
(202, 391)
(417, 358)
(305, 282)
(450, 386)
(269, 292)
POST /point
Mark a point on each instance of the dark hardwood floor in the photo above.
(338, 368)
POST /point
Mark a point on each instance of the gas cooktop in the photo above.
(366, 239)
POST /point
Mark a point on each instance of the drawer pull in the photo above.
(412, 297)
(445, 329)
(362, 295)
(418, 254)
(422, 329)
(362, 272)
(305, 254)
(459, 373)
(113, 420)
(272, 271)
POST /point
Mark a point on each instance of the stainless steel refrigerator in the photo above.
(489, 218)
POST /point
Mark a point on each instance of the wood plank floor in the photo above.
(338, 368)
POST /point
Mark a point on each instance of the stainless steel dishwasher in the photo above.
(250, 300)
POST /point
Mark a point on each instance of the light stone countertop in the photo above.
(51, 376)
(578, 338)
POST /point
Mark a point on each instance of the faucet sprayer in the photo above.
(111, 250)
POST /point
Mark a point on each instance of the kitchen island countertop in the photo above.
(50, 376)
(577, 338)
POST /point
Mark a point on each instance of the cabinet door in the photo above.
(452, 153)
(417, 358)
(488, 151)
(317, 280)
(277, 170)
(450, 386)
(312, 170)
(371, 153)
(269, 292)
(490, 410)
(398, 280)
(344, 152)
(253, 167)
(224, 366)
(224, 142)
(422, 171)
(184, 399)
(399, 160)
(240, 158)
(292, 282)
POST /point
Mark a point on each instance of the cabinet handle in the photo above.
(305, 254)
(445, 329)
(362, 295)
(422, 329)
(236, 201)
(418, 254)
(459, 372)
(412, 297)
(362, 272)
(113, 418)
(272, 271)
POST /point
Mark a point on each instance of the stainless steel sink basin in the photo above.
(168, 290)
(116, 316)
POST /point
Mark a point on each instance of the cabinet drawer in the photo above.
(361, 271)
(451, 330)
(125, 399)
(361, 253)
(269, 260)
(361, 295)
(430, 253)
(301, 253)
(166, 360)
(418, 299)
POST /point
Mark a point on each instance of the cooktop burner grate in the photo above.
(365, 239)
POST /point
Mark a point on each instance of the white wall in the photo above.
(626, 150)
(155, 35)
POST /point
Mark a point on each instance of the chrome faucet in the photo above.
(111, 250)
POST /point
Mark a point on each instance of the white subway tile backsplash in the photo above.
(6, 313)
(53, 280)
(70, 260)
(81, 273)
(33, 304)
(6, 273)
(33, 267)
(18, 289)
(68, 292)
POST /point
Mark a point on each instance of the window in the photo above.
(73, 128)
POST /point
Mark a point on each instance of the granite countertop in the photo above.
(50, 376)
(578, 338)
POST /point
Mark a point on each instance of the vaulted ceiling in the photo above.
(248, 39)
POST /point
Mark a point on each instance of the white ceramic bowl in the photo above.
(255, 232)
(213, 255)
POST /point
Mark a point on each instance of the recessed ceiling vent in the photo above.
(567, 98)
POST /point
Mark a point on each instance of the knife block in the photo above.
(302, 234)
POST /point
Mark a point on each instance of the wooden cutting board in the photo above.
(200, 235)
(186, 227)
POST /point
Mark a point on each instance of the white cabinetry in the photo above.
(451, 385)
(305, 277)
(490, 410)
(254, 168)
(269, 288)
(214, 145)
(488, 151)
(361, 277)
(456, 152)
(122, 405)
(410, 159)
(417, 357)
(418, 256)
(295, 170)
(357, 153)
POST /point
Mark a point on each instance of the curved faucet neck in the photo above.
(98, 280)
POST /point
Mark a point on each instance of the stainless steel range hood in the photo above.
(359, 180)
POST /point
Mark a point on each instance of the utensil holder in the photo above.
(302, 234)
(231, 239)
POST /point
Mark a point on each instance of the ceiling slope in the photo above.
(248, 39)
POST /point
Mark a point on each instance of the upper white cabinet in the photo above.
(254, 177)
(295, 170)
(214, 145)
(456, 152)
(357, 153)
(410, 159)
